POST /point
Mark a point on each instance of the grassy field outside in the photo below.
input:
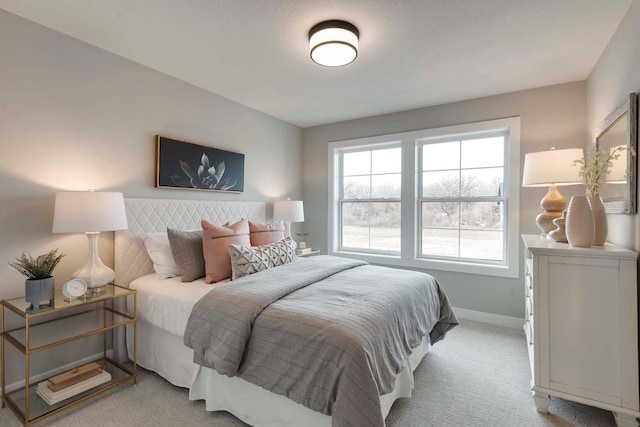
(476, 244)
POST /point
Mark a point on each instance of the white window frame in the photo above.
(408, 256)
(341, 200)
(504, 198)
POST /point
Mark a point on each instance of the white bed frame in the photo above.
(165, 353)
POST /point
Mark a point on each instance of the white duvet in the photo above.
(167, 303)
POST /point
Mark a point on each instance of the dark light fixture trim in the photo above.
(338, 41)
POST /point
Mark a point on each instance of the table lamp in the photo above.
(90, 212)
(288, 211)
(553, 168)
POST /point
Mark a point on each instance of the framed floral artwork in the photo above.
(188, 166)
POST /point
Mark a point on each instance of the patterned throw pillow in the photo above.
(247, 260)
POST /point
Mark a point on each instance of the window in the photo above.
(462, 202)
(444, 199)
(370, 199)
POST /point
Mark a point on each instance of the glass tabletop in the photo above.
(20, 306)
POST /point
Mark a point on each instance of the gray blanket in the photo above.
(329, 333)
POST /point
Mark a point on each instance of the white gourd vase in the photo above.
(579, 228)
(599, 220)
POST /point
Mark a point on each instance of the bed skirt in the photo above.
(165, 354)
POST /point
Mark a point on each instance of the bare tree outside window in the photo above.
(445, 198)
(462, 205)
(461, 200)
(370, 202)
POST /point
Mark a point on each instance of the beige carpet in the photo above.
(478, 376)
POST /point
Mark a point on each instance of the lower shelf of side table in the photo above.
(39, 409)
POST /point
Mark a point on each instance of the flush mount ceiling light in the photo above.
(333, 43)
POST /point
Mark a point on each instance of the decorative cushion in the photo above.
(159, 250)
(263, 234)
(215, 244)
(247, 260)
(186, 247)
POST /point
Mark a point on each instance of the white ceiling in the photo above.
(413, 53)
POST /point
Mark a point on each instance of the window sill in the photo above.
(430, 264)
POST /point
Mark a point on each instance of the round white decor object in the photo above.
(74, 288)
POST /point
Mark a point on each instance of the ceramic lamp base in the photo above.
(94, 272)
(553, 204)
(544, 221)
(95, 292)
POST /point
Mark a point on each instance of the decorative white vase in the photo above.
(580, 228)
(599, 221)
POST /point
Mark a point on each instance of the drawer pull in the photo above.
(528, 331)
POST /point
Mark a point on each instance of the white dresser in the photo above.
(581, 324)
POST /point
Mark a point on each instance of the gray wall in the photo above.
(617, 74)
(74, 117)
(550, 116)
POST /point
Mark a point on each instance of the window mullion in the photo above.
(460, 196)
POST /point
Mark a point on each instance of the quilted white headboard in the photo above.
(155, 215)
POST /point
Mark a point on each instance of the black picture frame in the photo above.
(188, 166)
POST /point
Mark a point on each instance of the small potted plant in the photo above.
(40, 285)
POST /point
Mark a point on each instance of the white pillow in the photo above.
(159, 251)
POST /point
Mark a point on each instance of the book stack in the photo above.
(303, 251)
(75, 381)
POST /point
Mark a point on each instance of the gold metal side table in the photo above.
(67, 321)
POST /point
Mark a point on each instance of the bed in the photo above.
(165, 306)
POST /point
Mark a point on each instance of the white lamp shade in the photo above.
(333, 43)
(618, 172)
(288, 211)
(89, 211)
(544, 168)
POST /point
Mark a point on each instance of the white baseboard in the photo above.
(59, 369)
(490, 318)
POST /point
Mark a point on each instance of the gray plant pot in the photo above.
(39, 293)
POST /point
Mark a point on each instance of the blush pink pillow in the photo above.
(215, 247)
(264, 234)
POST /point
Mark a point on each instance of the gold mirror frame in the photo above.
(624, 202)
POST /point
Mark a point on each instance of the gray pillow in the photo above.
(186, 247)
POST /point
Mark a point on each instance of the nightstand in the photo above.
(67, 321)
(312, 253)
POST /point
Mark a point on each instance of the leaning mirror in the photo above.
(620, 129)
